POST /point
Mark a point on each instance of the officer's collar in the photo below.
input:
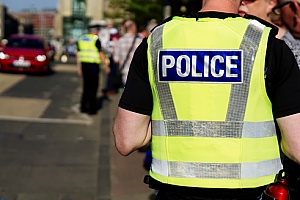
(215, 14)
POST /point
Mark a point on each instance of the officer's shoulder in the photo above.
(163, 22)
(268, 24)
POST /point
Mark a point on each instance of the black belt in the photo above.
(220, 193)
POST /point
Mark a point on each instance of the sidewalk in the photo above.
(126, 173)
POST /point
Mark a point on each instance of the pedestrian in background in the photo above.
(289, 13)
(211, 124)
(147, 30)
(112, 42)
(89, 58)
(261, 9)
(126, 45)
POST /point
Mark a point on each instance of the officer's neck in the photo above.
(225, 6)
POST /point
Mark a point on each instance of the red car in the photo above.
(25, 53)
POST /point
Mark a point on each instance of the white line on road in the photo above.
(87, 122)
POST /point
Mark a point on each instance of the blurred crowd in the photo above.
(119, 44)
(116, 41)
(109, 53)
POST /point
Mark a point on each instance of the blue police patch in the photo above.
(86, 39)
(216, 66)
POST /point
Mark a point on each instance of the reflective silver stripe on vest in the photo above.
(213, 129)
(216, 170)
(239, 92)
(163, 89)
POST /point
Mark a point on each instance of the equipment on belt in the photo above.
(278, 190)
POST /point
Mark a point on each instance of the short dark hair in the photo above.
(128, 24)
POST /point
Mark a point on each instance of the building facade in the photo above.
(37, 22)
(73, 17)
(68, 22)
(9, 23)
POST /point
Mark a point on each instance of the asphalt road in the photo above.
(51, 151)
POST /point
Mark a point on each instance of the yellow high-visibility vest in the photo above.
(212, 128)
(88, 51)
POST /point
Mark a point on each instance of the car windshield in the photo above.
(25, 43)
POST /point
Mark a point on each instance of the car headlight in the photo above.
(3, 56)
(41, 58)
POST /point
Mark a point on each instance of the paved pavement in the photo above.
(49, 151)
(126, 173)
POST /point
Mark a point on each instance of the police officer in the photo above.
(205, 90)
(89, 58)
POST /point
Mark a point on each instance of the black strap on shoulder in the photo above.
(127, 56)
(268, 24)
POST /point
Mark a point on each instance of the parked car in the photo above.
(25, 53)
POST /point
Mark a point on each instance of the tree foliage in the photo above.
(145, 10)
(142, 11)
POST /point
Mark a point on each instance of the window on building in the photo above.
(79, 7)
(75, 25)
